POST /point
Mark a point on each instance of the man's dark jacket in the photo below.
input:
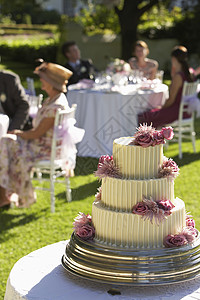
(13, 100)
(82, 71)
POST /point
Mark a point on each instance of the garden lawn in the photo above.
(25, 230)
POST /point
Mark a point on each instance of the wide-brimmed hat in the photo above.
(54, 74)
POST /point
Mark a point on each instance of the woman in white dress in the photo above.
(21, 149)
(148, 67)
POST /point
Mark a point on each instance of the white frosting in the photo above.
(135, 161)
(130, 230)
(122, 194)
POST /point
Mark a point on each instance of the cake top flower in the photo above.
(148, 136)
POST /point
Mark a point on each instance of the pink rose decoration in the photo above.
(168, 169)
(147, 136)
(158, 138)
(190, 233)
(167, 133)
(170, 163)
(85, 232)
(176, 240)
(104, 158)
(166, 205)
(81, 220)
(190, 221)
(145, 140)
(140, 209)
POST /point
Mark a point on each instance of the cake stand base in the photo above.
(137, 267)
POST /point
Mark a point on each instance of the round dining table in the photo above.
(106, 114)
(41, 276)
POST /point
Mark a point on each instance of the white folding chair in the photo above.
(184, 128)
(53, 167)
(35, 102)
(30, 86)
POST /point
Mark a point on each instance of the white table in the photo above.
(109, 115)
(4, 123)
(40, 276)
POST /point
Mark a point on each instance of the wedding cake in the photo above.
(135, 211)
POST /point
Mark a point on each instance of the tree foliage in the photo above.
(31, 11)
(151, 18)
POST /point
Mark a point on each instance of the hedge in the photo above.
(29, 50)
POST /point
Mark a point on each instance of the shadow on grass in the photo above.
(86, 165)
(11, 220)
(187, 159)
(81, 192)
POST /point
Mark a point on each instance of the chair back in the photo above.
(30, 86)
(35, 103)
(189, 88)
(59, 130)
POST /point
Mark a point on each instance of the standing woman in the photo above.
(140, 62)
(20, 149)
(169, 112)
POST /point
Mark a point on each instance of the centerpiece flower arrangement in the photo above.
(118, 66)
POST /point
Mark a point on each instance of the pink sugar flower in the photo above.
(190, 233)
(167, 133)
(85, 232)
(82, 220)
(104, 158)
(174, 240)
(166, 205)
(107, 168)
(189, 221)
(168, 169)
(140, 209)
(170, 163)
(144, 140)
(158, 138)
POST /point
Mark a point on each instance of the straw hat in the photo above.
(54, 74)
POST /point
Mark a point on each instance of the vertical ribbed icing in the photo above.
(137, 162)
(130, 230)
(122, 195)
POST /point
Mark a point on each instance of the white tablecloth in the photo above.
(109, 115)
(40, 276)
(4, 123)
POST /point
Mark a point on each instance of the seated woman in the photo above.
(20, 149)
(169, 112)
(140, 62)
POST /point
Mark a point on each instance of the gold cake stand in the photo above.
(137, 267)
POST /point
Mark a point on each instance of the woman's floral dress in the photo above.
(17, 155)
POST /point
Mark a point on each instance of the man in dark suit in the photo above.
(82, 69)
(13, 101)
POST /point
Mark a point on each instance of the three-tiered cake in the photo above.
(135, 218)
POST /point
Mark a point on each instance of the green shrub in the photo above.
(29, 50)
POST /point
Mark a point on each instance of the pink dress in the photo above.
(17, 155)
(163, 116)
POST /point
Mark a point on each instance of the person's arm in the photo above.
(20, 104)
(176, 84)
(37, 132)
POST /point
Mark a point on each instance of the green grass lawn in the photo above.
(25, 230)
